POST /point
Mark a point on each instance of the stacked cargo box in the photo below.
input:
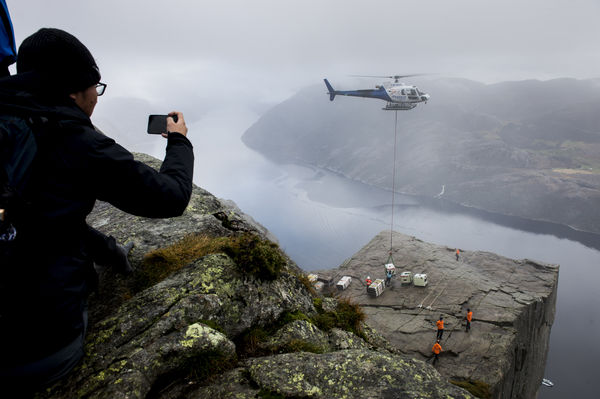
(376, 288)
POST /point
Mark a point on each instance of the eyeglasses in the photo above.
(100, 88)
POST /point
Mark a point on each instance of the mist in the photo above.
(204, 55)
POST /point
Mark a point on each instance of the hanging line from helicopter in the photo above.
(399, 97)
(393, 187)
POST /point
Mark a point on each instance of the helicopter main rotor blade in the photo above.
(388, 76)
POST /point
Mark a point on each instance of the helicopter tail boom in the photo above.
(332, 92)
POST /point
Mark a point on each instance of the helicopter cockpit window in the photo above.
(403, 93)
(413, 92)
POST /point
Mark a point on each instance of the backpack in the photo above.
(18, 149)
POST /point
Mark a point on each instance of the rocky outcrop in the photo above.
(221, 325)
(513, 303)
(341, 374)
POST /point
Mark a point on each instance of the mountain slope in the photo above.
(530, 148)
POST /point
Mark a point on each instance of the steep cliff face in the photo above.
(214, 309)
(513, 303)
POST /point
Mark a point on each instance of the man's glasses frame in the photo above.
(100, 88)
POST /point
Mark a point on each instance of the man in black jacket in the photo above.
(47, 272)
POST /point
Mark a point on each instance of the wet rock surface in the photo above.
(513, 302)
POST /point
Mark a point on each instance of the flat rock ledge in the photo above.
(513, 302)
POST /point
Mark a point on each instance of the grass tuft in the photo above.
(347, 316)
(251, 253)
(477, 388)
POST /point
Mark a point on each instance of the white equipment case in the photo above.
(420, 280)
(390, 266)
(344, 283)
(406, 277)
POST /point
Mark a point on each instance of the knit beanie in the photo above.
(63, 63)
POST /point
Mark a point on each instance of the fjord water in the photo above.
(321, 219)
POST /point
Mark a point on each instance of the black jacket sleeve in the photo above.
(135, 187)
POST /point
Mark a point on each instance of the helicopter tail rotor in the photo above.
(331, 91)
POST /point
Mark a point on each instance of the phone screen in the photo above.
(157, 124)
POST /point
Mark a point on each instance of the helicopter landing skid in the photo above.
(398, 106)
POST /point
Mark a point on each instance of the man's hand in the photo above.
(176, 127)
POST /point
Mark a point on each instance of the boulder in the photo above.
(350, 373)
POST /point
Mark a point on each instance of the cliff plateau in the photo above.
(513, 303)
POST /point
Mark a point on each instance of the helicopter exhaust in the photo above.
(332, 92)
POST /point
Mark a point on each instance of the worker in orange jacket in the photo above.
(437, 349)
(440, 327)
(469, 318)
(369, 282)
(457, 253)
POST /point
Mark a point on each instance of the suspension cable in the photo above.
(394, 181)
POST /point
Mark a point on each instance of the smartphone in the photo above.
(157, 124)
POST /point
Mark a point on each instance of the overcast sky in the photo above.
(271, 47)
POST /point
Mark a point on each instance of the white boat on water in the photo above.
(547, 383)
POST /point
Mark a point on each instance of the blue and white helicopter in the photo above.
(399, 96)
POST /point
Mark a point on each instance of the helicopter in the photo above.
(399, 96)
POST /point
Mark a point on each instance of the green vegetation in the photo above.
(196, 368)
(303, 278)
(347, 316)
(476, 388)
(248, 344)
(298, 345)
(251, 253)
(254, 255)
(289, 317)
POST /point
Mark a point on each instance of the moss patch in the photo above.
(298, 345)
(197, 368)
(347, 316)
(251, 253)
(254, 255)
(476, 388)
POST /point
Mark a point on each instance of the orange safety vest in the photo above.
(440, 324)
(470, 316)
(437, 348)
(457, 251)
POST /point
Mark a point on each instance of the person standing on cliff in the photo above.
(437, 349)
(388, 277)
(469, 318)
(440, 327)
(457, 253)
(47, 269)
